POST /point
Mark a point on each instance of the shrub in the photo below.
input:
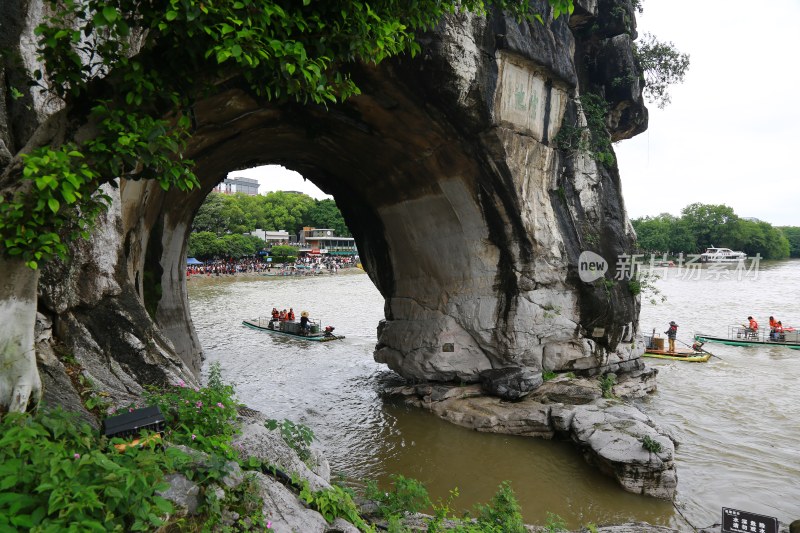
(650, 444)
(547, 375)
(555, 523)
(297, 436)
(408, 495)
(199, 417)
(58, 474)
(334, 503)
(607, 383)
(502, 513)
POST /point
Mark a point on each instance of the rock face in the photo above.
(469, 213)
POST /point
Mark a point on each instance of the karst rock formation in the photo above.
(468, 209)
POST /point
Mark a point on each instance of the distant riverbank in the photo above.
(198, 279)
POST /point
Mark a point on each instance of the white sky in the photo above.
(732, 130)
(277, 178)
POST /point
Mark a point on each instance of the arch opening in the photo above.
(460, 232)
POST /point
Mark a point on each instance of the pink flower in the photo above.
(269, 524)
(76, 456)
(130, 409)
(194, 436)
(199, 404)
(181, 383)
(197, 389)
(219, 404)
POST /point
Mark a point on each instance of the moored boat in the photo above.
(741, 336)
(721, 255)
(292, 329)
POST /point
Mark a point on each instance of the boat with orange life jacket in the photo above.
(315, 332)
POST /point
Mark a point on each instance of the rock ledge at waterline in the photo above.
(608, 432)
(286, 512)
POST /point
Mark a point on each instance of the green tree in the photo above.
(210, 216)
(286, 210)
(283, 254)
(325, 214)
(238, 246)
(662, 65)
(664, 234)
(653, 234)
(715, 225)
(757, 237)
(205, 245)
(792, 234)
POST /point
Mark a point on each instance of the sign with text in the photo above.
(735, 521)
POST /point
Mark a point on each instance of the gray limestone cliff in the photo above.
(468, 212)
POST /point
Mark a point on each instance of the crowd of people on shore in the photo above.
(302, 266)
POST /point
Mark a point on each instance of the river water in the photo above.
(735, 416)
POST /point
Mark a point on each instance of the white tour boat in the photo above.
(721, 255)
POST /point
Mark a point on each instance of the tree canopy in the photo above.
(241, 213)
(704, 225)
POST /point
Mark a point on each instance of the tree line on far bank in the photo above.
(703, 225)
(218, 227)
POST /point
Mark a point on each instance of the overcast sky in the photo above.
(732, 130)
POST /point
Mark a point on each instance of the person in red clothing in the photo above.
(778, 333)
(290, 315)
(752, 327)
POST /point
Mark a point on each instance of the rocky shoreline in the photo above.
(613, 435)
(282, 506)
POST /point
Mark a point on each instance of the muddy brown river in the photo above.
(736, 417)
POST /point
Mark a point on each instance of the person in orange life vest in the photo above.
(772, 323)
(778, 331)
(282, 315)
(275, 313)
(290, 315)
(751, 329)
(671, 333)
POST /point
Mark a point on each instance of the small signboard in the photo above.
(735, 521)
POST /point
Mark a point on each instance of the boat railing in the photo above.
(740, 332)
(288, 326)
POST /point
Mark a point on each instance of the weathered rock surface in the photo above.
(282, 507)
(610, 433)
(257, 441)
(472, 233)
(510, 383)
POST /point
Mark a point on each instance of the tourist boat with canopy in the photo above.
(742, 336)
(292, 328)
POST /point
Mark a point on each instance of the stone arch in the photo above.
(468, 218)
